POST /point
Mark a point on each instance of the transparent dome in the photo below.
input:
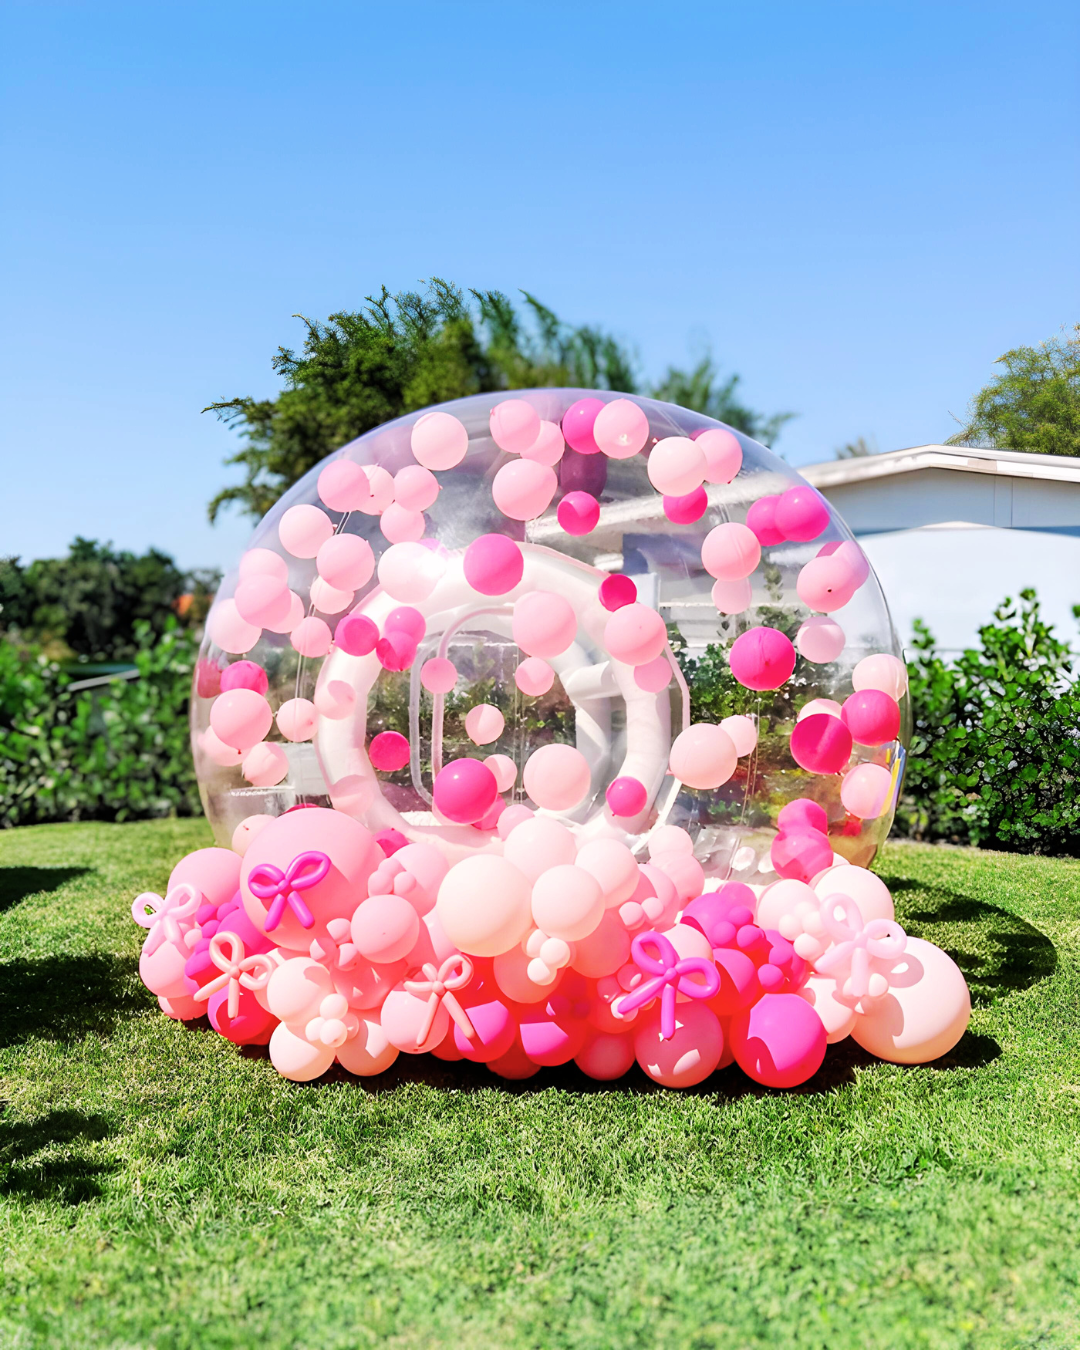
(591, 512)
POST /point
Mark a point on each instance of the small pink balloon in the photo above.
(653, 676)
(381, 490)
(826, 583)
(567, 902)
(538, 843)
(512, 817)
(244, 675)
(730, 552)
(761, 518)
(881, 671)
(464, 791)
(410, 572)
(780, 1041)
(265, 765)
(399, 525)
(801, 514)
(801, 854)
(328, 599)
(703, 756)
(295, 614)
(345, 562)
(544, 623)
(626, 797)
(617, 590)
(732, 597)
(296, 719)
(304, 529)
(762, 658)
(578, 422)
(217, 752)
(534, 677)
(356, 634)
(578, 513)
(821, 744)
(438, 676)
(344, 486)
(504, 769)
(439, 441)
(389, 751)
(514, 424)
(240, 718)
(404, 1017)
(685, 510)
(820, 639)
(493, 564)
(548, 447)
(484, 723)
(606, 1057)
(263, 562)
(415, 488)
(620, 429)
(557, 777)
(690, 1056)
(743, 733)
(312, 637)
(523, 489)
(723, 454)
(676, 466)
(635, 634)
(873, 718)
(866, 790)
(385, 928)
(263, 600)
(802, 814)
(406, 619)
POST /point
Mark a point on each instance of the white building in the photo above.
(952, 531)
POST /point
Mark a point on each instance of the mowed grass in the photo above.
(159, 1188)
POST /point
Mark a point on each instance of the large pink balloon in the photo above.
(296, 1058)
(635, 634)
(690, 1056)
(925, 1012)
(621, 429)
(484, 905)
(544, 624)
(821, 744)
(557, 777)
(215, 872)
(523, 489)
(762, 658)
(730, 552)
(567, 902)
(439, 441)
(240, 718)
(703, 756)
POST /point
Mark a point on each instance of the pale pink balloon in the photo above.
(484, 723)
(410, 572)
(837, 1018)
(557, 777)
(215, 749)
(703, 756)
(635, 634)
(328, 599)
(851, 555)
(826, 584)
(743, 733)
(296, 1058)
(514, 425)
(670, 839)
(817, 706)
(723, 454)
(820, 639)
(496, 924)
(511, 969)
(385, 928)
(613, 866)
(534, 677)
(537, 844)
(512, 817)
(240, 718)
(544, 623)
(345, 562)
(567, 902)
(369, 1052)
(865, 790)
(604, 950)
(229, 631)
(403, 1018)
(438, 675)
(676, 466)
(335, 699)
(732, 597)
(782, 898)
(295, 614)
(925, 1012)
(548, 447)
(343, 486)
(865, 888)
(621, 429)
(730, 551)
(265, 764)
(415, 488)
(304, 529)
(439, 441)
(683, 870)
(312, 637)
(505, 771)
(654, 675)
(246, 831)
(296, 719)
(523, 489)
(380, 490)
(883, 672)
(263, 562)
(400, 525)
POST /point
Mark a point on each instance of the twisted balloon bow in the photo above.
(671, 976)
(163, 917)
(856, 945)
(439, 985)
(236, 970)
(268, 882)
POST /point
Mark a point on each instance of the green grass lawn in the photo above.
(160, 1188)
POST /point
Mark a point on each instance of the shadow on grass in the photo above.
(62, 998)
(65, 1175)
(16, 883)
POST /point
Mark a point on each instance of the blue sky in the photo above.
(857, 206)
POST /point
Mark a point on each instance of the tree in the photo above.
(701, 390)
(859, 448)
(1033, 405)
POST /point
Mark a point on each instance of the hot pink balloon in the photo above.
(389, 751)
(606, 1057)
(617, 590)
(578, 422)
(244, 675)
(523, 489)
(873, 718)
(780, 1041)
(578, 513)
(686, 1058)
(801, 854)
(356, 634)
(801, 514)
(493, 564)
(761, 518)
(620, 429)
(805, 814)
(821, 744)
(686, 510)
(762, 658)
(464, 791)
(626, 797)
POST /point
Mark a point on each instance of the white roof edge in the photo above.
(959, 459)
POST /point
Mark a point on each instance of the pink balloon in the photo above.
(606, 1057)
(438, 676)
(821, 744)
(304, 529)
(504, 769)
(346, 562)
(512, 817)
(801, 514)
(415, 488)
(381, 487)
(523, 489)
(620, 429)
(505, 915)
(603, 951)
(356, 634)
(296, 719)
(514, 424)
(873, 718)
(400, 525)
(537, 844)
(703, 756)
(225, 756)
(826, 583)
(780, 1041)
(493, 564)
(635, 634)
(240, 718)
(296, 613)
(253, 1024)
(263, 562)
(820, 639)
(761, 518)
(732, 597)
(544, 624)
(246, 831)
(723, 454)
(215, 872)
(578, 423)
(404, 1017)
(802, 814)
(676, 466)
(407, 620)
(925, 1012)
(553, 1032)
(670, 839)
(494, 1025)
(312, 637)
(866, 790)
(730, 552)
(328, 599)
(464, 791)
(207, 678)
(578, 513)
(296, 1058)
(685, 510)
(626, 797)
(369, 1052)
(801, 854)
(567, 902)
(743, 733)
(439, 441)
(654, 675)
(244, 675)
(683, 870)
(534, 677)
(617, 590)
(548, 447)
(613, 866)
(344, 486)
(263, 600)
(690, 1056)
(410, 572)
(484, 724)
(557, 777)
(762, 658)
(851, 555)
(389, 751)
(881, 671)
(385, 928)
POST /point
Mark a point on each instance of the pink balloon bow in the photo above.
(165, 917)
(270, 883)
(236, 970)
(439, 985)
(856, 944)
(671, 976)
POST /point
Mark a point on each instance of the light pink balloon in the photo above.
(215, 749)
(723, 454)
(229, 631)
(654, 675)
(523, 489)
(730, 551)
(343, 486)
(312, 637)
(676, 466)
(262, 600)
(534, 677)
(240, 718)
(865, 790)
(817, 706)
(883, 672)
(380, 490)
(567, 902)
(743, 733)
(732, 597)
(346, 562)
(304, 529)
(865, 888)
(328, 599)
(410, 572)
(400, 525)
(557, 777)
(837, 1018)
(548, 447)
(265, 764)
(403, 1018)
(820, 639)
(415, 488)
(505, 771)
(925, 1012)
(544, 623)
(512, 817)
(484, 723)
(296, 719)
(690, 1056)
(438, 676)
(606, 1056)
(635, 634)
(826, 584)
(296, 1058)
(511, 969)
(497, 924)
(263, 562)
(703, 756)
(335, 699)
(246, 831)
(295, 614)
(439, 441)
(683, 870)
(369, 1052)
(614, 867)
(670, 839)
(604, 950)
(538, 843)
(385, 928)
(514, 425)
(621, 429)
